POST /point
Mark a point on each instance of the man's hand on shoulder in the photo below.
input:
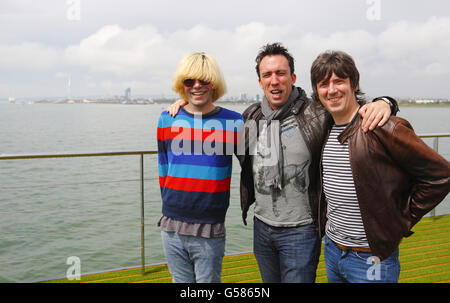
(374, 114)
(175, 107)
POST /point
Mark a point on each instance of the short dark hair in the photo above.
(271, 50)
(338, 62)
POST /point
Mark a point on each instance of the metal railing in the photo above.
(100, 154)
(436, 137)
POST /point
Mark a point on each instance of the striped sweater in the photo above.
(195, 163)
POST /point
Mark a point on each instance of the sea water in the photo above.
(89, 208)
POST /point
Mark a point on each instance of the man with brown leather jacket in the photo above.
(376, 185)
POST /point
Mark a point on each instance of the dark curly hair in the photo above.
(272, 49)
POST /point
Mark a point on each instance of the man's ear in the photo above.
(294, 78)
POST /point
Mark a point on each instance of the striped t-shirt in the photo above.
(195, 163)
(344, 224)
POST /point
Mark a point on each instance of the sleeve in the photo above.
(162, 152)
(430, 172)
(239, 142)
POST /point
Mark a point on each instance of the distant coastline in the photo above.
(149, 101)
(424, 105)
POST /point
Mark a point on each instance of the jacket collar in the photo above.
(299, 101)
(351, 129)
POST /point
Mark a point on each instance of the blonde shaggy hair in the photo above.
(199, 66)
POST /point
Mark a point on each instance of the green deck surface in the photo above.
(424, 258)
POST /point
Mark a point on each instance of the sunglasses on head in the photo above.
(191, 82)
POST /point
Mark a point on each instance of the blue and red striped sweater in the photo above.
(195, 163)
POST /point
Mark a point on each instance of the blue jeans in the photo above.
(193, 259)
(286, 254)
(359, 267)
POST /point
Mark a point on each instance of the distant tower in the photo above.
(127, 93)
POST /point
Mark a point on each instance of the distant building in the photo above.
(128, 93)
(425, 101)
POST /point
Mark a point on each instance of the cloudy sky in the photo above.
(400, 47)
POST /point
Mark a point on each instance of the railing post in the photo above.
(142, 216)
(436, 148)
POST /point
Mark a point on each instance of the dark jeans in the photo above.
(286, 254)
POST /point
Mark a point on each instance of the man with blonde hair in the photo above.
(195, 151)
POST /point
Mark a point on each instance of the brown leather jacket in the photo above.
(398, 179)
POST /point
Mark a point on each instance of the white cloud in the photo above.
(113, 49)
(415, 47)
(29, 56)
(395, 60)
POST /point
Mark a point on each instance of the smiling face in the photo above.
(186, 81)
(200, 96)
(276, 80)
(338, 97)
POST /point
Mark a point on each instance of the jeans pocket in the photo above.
(366, 257)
